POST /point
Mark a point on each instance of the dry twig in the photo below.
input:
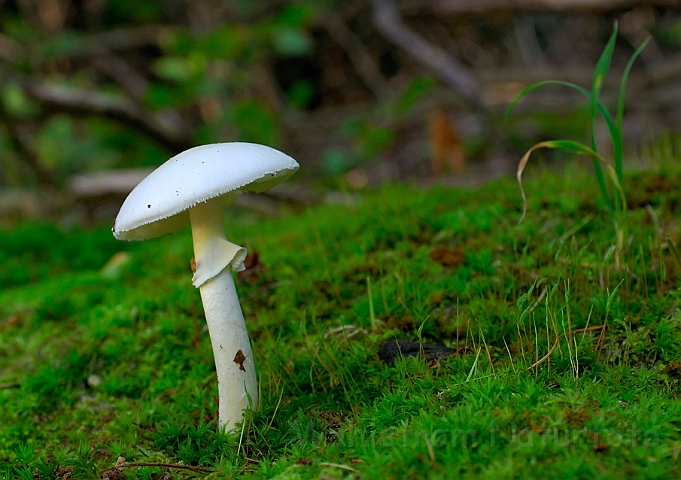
(452, 72)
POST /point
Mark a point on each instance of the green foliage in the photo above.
(256, 122)
(193, 444)
(617, 204)
(189, 77)
(15, 102)
(335, 162)
(415, 91)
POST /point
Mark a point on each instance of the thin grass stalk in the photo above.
(557, 341)
(618, 150)
(602, 67)
(510, 357)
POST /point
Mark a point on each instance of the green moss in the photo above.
(97, 363)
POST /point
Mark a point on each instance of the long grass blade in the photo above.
(601, 185)
(612, 127)
(602, 67)
(475, 364)
(569, 146)
(601, 70)
(601, 108)
(617, 151)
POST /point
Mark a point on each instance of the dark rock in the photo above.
(395, 349)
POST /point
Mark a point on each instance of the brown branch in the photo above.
(22, 142)
(122, 73)
(265, 85)
(10, 50)
(96, 44)
(450, 70)
(449, 7)
(166, 128)
(359, 56)
(166, 465)
(129, 38)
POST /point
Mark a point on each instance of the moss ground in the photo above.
(565, 365)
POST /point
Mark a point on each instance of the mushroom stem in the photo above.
(228, 335)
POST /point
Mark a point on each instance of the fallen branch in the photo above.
(358, 54)
(24, 145)
(127, 38)
(10, 50)
(166, 128)
(122, 73)
(450, 70)
(486, 6)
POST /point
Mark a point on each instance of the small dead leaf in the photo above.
(252, 266)
(64, 473)
(333, 419)
(40, 418)
(114, 473)
(577, 417)
(599, 445)
(537, 428)
(404, 323)
(192, 264)
(673, 369)
(445, 141)
(11, 321)
(448, 257)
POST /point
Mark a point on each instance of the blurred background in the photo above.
(95, 93)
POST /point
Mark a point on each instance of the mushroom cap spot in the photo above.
(160, 203)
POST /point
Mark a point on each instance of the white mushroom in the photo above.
(193, 187)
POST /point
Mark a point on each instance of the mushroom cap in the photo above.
(160, 203)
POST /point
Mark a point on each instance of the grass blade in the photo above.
(601, 108)
(602, 67)
(600, 71)
(620, 109)
(612, 127)
(569, 146)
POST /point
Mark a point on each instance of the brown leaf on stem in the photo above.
(253, 266)
(239, 359)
